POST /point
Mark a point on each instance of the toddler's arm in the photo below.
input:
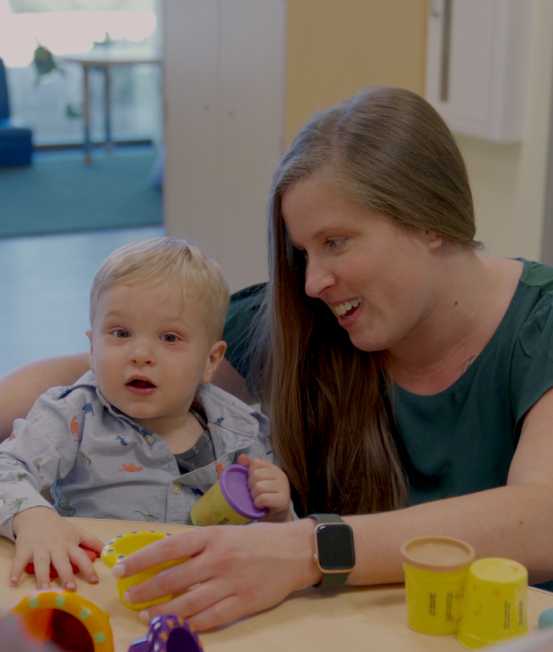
(41, 450)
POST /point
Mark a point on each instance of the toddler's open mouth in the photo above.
(140, 384)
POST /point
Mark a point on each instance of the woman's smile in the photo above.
(348, 312)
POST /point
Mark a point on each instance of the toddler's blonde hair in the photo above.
(172, 260)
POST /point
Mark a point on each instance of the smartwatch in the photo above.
(334, 549)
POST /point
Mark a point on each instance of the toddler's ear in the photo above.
(89, 335)
(215, 355)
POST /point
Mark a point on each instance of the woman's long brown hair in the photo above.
(332, 426)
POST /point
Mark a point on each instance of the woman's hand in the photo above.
(44, 538)
(231, 571)
(269, 487)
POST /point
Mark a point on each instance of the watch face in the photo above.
(335, 546)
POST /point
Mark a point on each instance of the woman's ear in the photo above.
(215, 355)
(434, 240)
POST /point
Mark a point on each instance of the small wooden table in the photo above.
(104, 60)
(354, 619)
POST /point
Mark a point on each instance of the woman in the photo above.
(407, 375)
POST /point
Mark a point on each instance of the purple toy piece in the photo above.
(168, 633)
(235, 489)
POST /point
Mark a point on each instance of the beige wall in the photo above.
(493, 171)
(334, 49)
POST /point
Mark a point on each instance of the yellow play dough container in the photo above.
(496, 599)
(126, 544)
(435, 570)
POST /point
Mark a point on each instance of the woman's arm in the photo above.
(227, 378)
(20, 389)
(515, 521)
(237, 571)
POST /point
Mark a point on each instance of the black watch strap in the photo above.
(332, 578)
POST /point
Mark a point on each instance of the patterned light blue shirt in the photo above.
(97, 462)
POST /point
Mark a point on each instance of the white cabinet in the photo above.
(477, 65)
(224, 119)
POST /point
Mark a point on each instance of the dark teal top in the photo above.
(464, 438)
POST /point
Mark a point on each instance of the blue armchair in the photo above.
(16, 141)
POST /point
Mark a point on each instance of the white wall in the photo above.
(510, 181)
(224, 103)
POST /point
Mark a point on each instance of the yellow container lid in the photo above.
(126, 544)
(499, 570)
(437, 553)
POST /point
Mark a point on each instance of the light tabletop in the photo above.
(353, 619)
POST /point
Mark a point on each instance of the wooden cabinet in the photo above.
(477, 65)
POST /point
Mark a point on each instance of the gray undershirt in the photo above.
(201, 454)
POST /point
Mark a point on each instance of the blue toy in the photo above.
(545, 619)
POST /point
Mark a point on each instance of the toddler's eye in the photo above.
(120, 332)
(170, 337)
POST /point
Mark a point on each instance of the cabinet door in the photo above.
(476, 61)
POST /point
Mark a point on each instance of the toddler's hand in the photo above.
(269, 487)
(43, 537)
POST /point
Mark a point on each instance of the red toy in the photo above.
(92, 555)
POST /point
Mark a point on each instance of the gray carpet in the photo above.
(60, 194)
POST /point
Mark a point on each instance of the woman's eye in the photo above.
(119, 332)
(170, 337)
(335, 243)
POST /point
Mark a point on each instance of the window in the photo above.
(50, 99)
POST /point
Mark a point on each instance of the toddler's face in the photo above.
(150, 349)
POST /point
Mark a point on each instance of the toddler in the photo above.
(141, 435)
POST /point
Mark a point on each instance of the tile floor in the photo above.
(44, 285)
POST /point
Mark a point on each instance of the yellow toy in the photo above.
(435, 570)
(496, 602)
(126, 544)
(67, 619)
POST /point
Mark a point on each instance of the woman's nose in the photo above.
(317, 279)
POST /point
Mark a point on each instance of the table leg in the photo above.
(107, 106)
(86, 115)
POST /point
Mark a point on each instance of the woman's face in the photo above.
(374, 275)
